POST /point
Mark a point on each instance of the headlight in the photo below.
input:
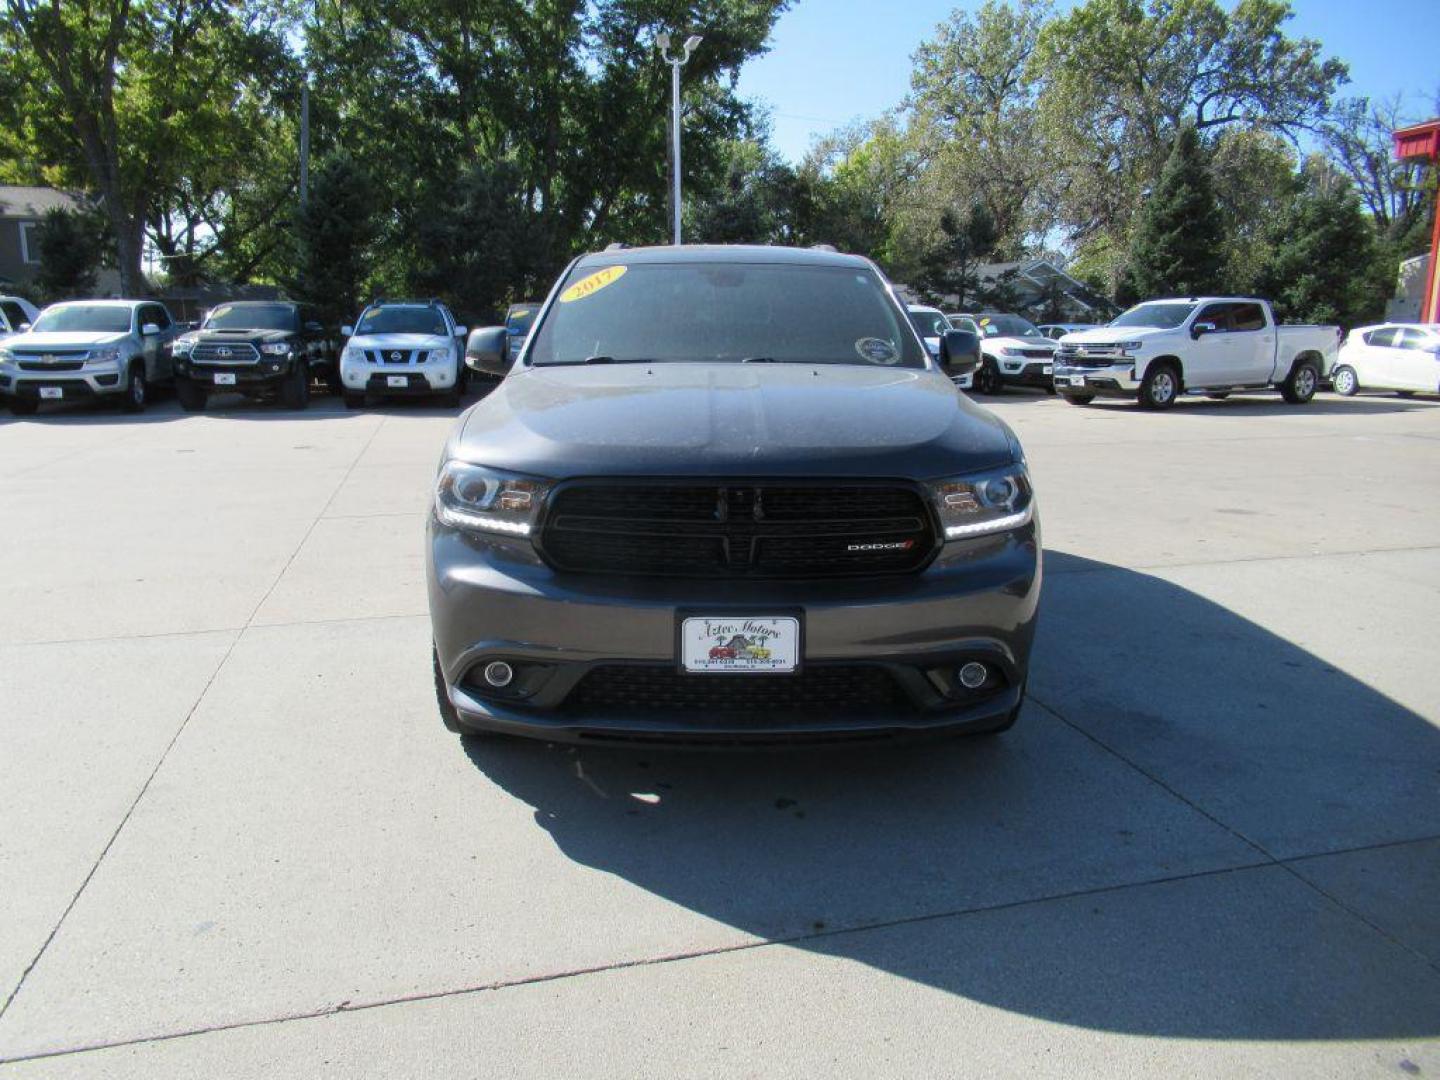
(1010, 350)
(486, 500)
(182, 346)
(278, 349)
(437, 356)
(1129, 346)
(102, 356)
(353, 354)
(6, 356)
(989, 503)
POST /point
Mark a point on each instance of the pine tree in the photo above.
(949, 268)
(1325, 263)
(335, 235)
(1178, 246)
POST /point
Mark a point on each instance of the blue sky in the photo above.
(833, 61)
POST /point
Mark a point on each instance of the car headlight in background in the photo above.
(353, 354)
(1011, 350)
(437, 356)
(278, 349)
(6, 356)
(989, 503)
(487, 500)
(1129, 346)
(103, 356)
(182, 346)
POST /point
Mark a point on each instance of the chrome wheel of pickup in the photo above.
(1160, 388)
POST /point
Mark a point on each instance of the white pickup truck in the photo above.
(1210, 345)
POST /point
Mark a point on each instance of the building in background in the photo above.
(21, 211)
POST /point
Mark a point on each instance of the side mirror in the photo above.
(485, 351)
(461, 331)
(347, 331)
(150, 329)
(1201, 328)
(23, 327)
(959, 352)
(313, 327)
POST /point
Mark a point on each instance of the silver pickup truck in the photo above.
(89, 349)
(1210, 345)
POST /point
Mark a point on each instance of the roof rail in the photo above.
(824, 247)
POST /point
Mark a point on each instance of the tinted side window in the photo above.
(14, 314)
(1247, 317)
(1380, 337)
(1414, 339)
(1219, 314)
(157, 314)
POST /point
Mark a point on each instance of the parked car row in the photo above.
(264, 350)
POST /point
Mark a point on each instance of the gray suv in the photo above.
(728, 496)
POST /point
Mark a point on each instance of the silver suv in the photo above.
(89, 349)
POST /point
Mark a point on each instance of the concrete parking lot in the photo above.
(236, 841)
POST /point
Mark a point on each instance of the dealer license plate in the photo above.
(399, 381)
(1077, 380)
(739, 643)
(225, 378)
(52, 392)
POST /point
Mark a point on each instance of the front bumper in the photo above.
(492, 598)
(1024, 372)
(361, 376)
(266, 376)
(1113, 380)
(86, 383)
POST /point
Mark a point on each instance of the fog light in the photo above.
(498, 673)
(972, 675)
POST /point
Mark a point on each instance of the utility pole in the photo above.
(676, 63)
(305, 142)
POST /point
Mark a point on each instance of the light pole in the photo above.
(676, 63)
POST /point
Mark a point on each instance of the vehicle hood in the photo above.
(1106, 335)
(732, 420)
(1017, 343)
(240, 337)
(400, 341)
(65, 339)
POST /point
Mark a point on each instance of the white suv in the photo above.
(403, 348)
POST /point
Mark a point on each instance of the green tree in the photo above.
(1122, 76)
(126, 97)
(336, 235)
(1325, 265)
(71, 248)
(951, 267)
(1178, 246)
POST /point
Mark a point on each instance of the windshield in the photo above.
(84, 318)
(725, 312)
(1007, 326)
(1159, 316)
(402, 320)
(518, 319)
(251, 317)
(929, 323)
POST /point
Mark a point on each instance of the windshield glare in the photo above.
(726, 312)
(1007, 326)
(401, 320)
(83, 318)
(1159, 316)
(251, 317)
(929, 323)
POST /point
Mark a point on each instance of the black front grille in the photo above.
(390, 356)
(775, 529)
(1037, 354)
(845, 688)
(68, 365)
(225, 352)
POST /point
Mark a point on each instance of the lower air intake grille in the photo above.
(826, 687)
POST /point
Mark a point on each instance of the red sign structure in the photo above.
(1422, 143)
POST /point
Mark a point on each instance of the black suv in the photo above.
(261, 348)
(726, 494)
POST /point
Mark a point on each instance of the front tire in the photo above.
(1344, 381)
(1300, 385)
(136, 389)
(1160, 387)
(353, 400)
(295, 394)
(987, 378)
(191, 397)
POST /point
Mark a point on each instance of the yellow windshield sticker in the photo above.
(984, 322)
(589, 286)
